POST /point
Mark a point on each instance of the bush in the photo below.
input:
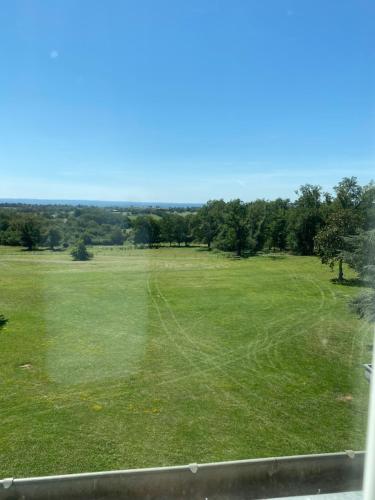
(80, 252)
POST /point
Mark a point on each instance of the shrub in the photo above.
(80, 252)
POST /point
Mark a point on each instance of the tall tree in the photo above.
(305, 219)
(274, 232)
(147, 231)
(234, 235)
(348, 193)
(188, 235)
(30, 233)
(258, 220)
(208, 221)
(331, 241)
(181, 229)
(345, 219)
(167, 228)
(53, 238)
(367, 206)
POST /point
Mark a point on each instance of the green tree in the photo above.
(258, 219)
(208, 221)
(277, 226)
(117, 237)
(30, 232)
(331, 241)
(10, 236)
(147, 231)
(80, 252)
(367, 206)
(348, 193)
(305, 219)
(278, 232)
(189, 229)
(345, 218)
(235, 231)
(53, 238)
(167, 228)
(181, 229)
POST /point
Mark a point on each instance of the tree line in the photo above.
(316, 222)
(338, 227)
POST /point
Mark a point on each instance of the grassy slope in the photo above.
(156, 357)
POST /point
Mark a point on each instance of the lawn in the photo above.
(145, 358)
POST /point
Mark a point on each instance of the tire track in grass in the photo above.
(322, 304)
(274, 348)
(302, 316)
(243, 402)
(196, 346)
(168, 333)
(236, 400)
(258, 345)
(230, 361)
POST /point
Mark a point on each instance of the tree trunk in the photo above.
(340, 277)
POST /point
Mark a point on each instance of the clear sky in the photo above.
(184, 100)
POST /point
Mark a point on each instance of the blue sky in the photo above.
(184, 100)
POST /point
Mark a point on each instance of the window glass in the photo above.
(186, 231)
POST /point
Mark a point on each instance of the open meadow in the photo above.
(168, 356)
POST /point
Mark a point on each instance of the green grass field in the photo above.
(158, 357)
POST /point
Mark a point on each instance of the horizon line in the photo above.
(70, 201)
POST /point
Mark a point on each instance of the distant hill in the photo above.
(98, 203)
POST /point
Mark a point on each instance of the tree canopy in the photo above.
(315, 222)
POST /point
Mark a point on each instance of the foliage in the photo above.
(235, 230)
(344, 219)
(80, 252)
(208, 221)
(146, 231)
(330, 242)
(305, 220)
(168, 228)
(30, 232)
(348, 193)
(117, 236)
(53, 238)
(234, 226)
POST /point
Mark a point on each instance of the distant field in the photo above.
(157, 357)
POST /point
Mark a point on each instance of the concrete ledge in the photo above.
(244, 479)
